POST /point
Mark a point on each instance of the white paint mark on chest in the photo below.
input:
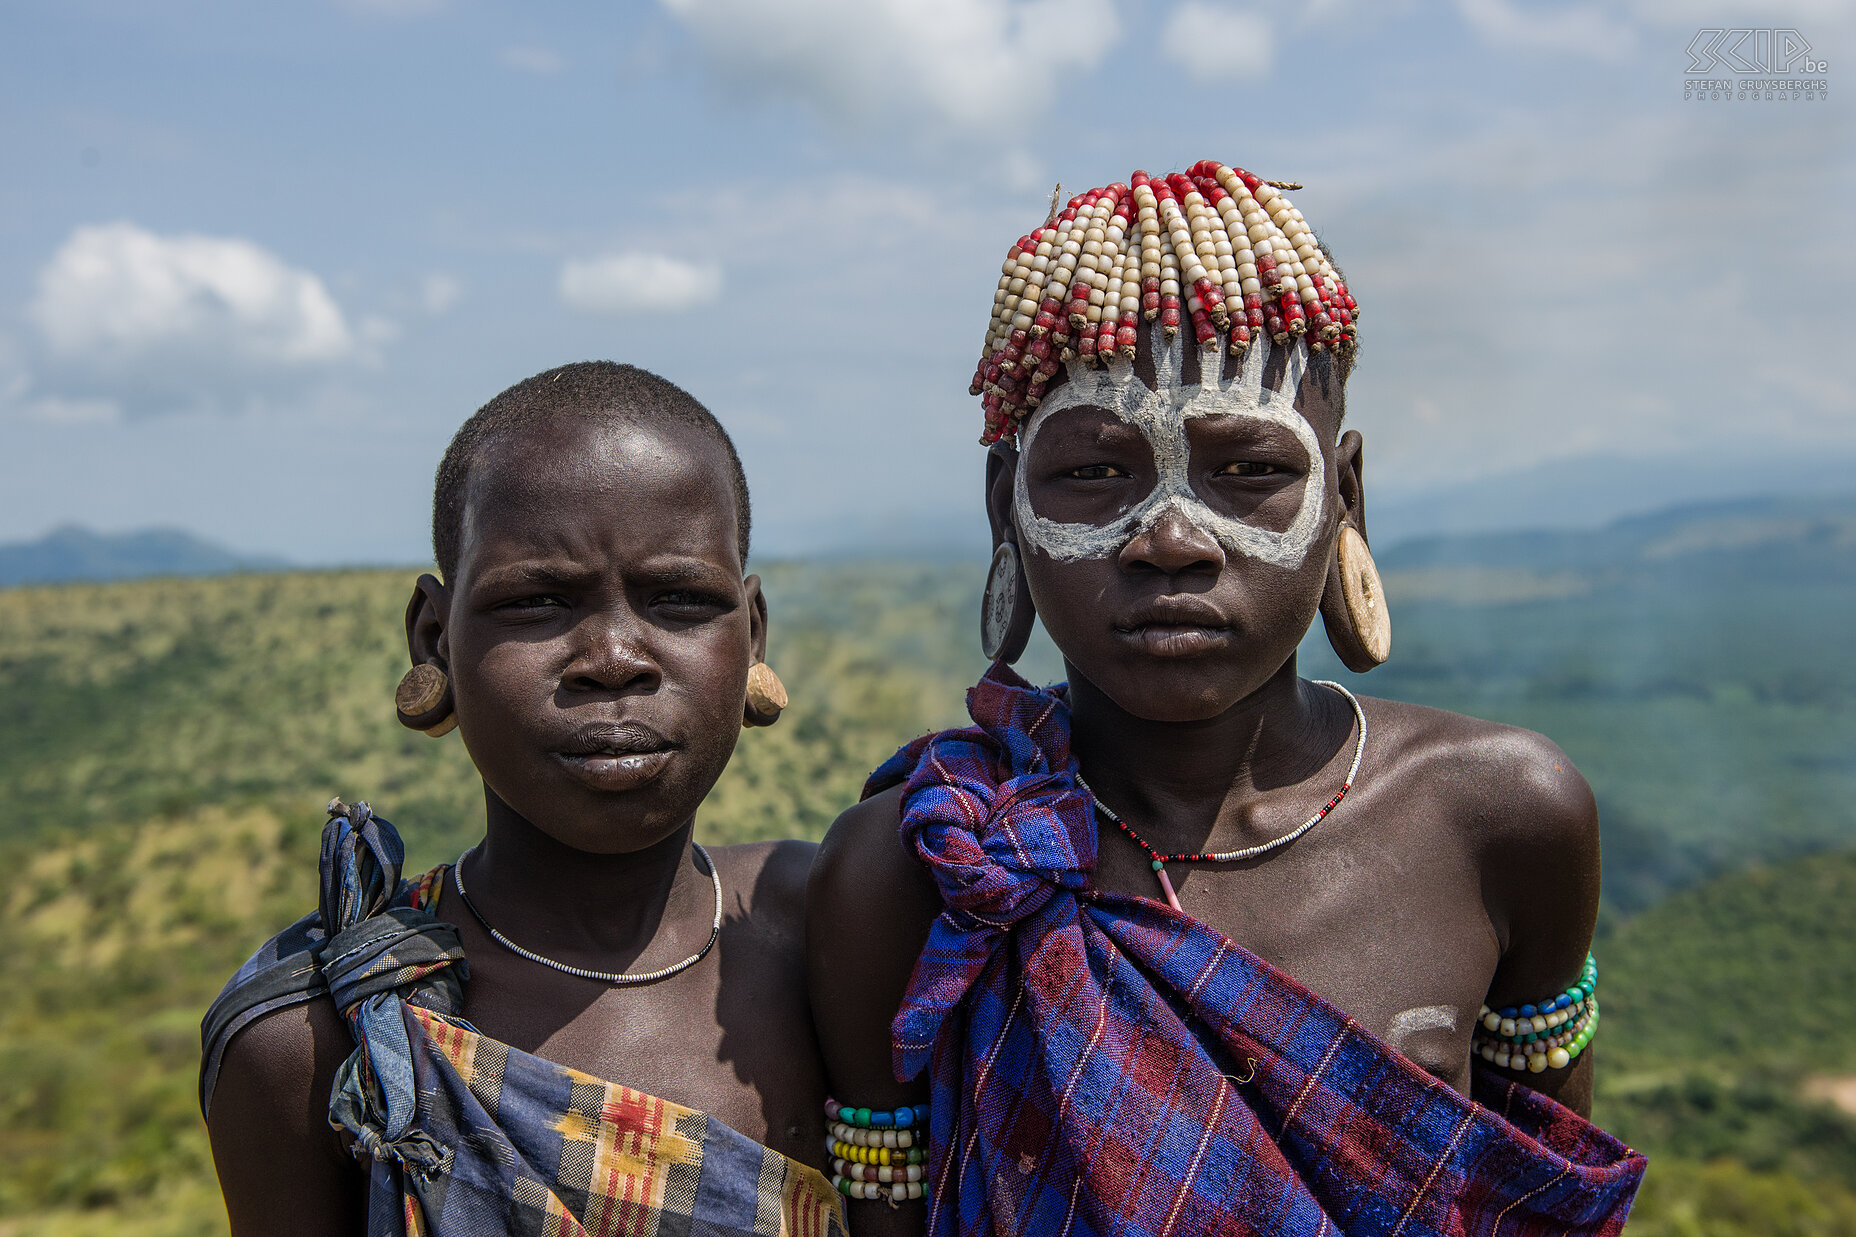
(1161, 415)
(1422, 1018)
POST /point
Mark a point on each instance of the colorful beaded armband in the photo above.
(1550, 1035)
(878, 1153)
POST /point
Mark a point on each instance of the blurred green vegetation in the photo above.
(166, 747)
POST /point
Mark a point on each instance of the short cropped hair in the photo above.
(589, 390)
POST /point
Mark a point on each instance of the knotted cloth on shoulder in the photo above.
(1104, 1064)
(385, 945)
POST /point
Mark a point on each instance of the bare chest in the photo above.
(731, 1036)
(1384, 920)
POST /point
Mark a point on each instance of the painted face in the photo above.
(1160, 416)
(1176, 537)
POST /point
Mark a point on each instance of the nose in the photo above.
(610, 655)
(1171, 545)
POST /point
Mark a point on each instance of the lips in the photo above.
(615, 756)
(1176, 627)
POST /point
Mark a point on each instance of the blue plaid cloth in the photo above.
(1104, 1064)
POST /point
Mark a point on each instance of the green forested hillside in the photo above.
(166, 747)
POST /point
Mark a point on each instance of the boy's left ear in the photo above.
(766, 695)
(757, 616)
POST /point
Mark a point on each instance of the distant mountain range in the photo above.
(1767, 533)
(1593, 491)
(1757, 535)
(72, 552)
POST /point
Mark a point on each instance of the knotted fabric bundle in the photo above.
(381, 959)
(1103, 1064)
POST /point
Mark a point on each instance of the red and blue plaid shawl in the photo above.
(1103, 1064)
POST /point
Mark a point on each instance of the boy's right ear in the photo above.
(1001, 475)
(426, 614)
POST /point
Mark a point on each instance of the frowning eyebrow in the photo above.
(531, 575)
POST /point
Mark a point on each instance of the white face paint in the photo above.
(1161, 415)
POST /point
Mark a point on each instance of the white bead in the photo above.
(1507, 1028)
(1537, 1063)
(1559, 1058)
(1538, 1023)
(1492, 1021)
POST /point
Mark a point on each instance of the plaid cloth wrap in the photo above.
(1104, 1064)
(465, 1135)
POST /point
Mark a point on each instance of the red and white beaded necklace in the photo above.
(1159, 861)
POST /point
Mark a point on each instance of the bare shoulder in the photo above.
(281, 1167)
(769, 877)
(869, 907)
(1514, 792)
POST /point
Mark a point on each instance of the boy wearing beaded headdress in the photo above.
(589, 1023)
(1179, 947)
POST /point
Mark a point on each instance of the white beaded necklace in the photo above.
(620, 978)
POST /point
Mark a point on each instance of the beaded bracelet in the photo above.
(894, 1139)
(877, 1118)
(878, 1153)
(901, 1192)
(887, 1174)
(875, 1155)
(1550, 1035)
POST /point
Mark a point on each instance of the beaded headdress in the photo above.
(1077, 287)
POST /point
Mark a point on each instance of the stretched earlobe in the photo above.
(423, 701)
(1353, 605)
(1006, 612)
(766, 696)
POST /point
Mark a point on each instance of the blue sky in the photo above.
(257, 262)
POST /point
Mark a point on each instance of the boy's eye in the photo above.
(541, 601)
(685, 599)
(1248, 468)
(1096, 472)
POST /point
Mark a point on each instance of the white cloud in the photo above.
(56, 410)
(1807, 15)
(972, 64)
(543, 61)
(1218, 43)
(636, 282)
(1581, 30)
(118, 294)
(438, 292)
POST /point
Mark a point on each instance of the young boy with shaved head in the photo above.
(589, 1022)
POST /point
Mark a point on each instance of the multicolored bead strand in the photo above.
(1159, 861)
(878, 1154)
(1220, 244)
(1550, 1035)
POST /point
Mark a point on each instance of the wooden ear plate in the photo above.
(1365, 595)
